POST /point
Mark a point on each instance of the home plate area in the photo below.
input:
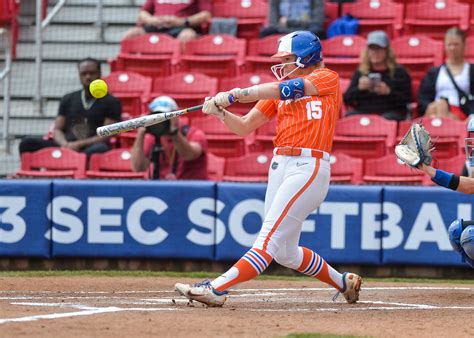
(387, 309)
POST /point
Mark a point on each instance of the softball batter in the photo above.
(306, 104)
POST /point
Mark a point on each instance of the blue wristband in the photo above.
(442, 178)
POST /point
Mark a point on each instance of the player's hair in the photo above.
(89, 59)
(391, 61)
(456, 32)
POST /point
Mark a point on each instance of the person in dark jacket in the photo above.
(380, 85)
(437, 96)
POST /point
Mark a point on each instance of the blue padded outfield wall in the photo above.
(372, 225)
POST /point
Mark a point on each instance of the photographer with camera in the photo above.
(178, 152)
(380, 85)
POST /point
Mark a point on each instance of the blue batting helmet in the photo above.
(467, 241)
(305, 45)
(454, 231)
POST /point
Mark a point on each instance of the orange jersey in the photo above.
(308, 122)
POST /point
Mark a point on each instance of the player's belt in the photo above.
(290, 151)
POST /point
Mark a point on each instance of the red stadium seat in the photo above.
(9, 11)
(331, 11)
(389, 170)
(52, 162)
(259, 54)
(250, 14)
(215, 167)
(220, 140)
(243, 81)
(377, 15)
(264, 136)
(433, 17)
(448, 134)
(252, 167)
(454, 164)
(345, 169)
(187, 89)
(418, 54)
(214, 55)
(133, 91)
(364, 136)
(148, 54)
(342, 53)
(114, 164)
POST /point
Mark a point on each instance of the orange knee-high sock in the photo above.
(253, 263)
(315, 266)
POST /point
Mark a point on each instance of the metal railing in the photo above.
(5, 74)
(40, 26)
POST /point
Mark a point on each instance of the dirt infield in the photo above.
(147, 307)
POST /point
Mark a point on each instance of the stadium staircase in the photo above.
(71, 36)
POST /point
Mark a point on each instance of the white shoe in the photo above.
(202, 292)
(351, 287)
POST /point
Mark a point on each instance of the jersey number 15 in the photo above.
(314, 110)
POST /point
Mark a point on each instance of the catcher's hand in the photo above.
(416, 146)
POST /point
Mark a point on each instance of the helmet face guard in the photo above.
(304, 46)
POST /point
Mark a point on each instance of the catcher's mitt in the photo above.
(415, 147)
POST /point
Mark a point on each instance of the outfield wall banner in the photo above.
(219, 221)
(133, 219)
(417, 220)
(25, 215)
(346, 228)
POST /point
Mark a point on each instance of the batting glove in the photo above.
(210, 107)
(222, 98)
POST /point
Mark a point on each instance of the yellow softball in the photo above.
(98, 88)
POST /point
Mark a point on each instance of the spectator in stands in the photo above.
(286, 16)
(79, 116)
(180, 19)
(380, 85)
(177, 151)
(437, 96)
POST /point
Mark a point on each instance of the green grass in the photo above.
(114, 273)
(317, 335)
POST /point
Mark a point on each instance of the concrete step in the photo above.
(73, 33)
(58, 79)
(68, 51)
(26, 108)
(88, 15)
(19, 127)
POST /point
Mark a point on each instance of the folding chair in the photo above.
(389, 170)
(433, 17)
(346, 169)
(133, 91)
(342, 53)
(149, 54)
(364, 136)
(186, 88)
(418, 54)
(252, 167)
(52, 162)
(214, 55)
(251, 15)
(259, 54)
(215, 167)
(114, 164)
(377, 15)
